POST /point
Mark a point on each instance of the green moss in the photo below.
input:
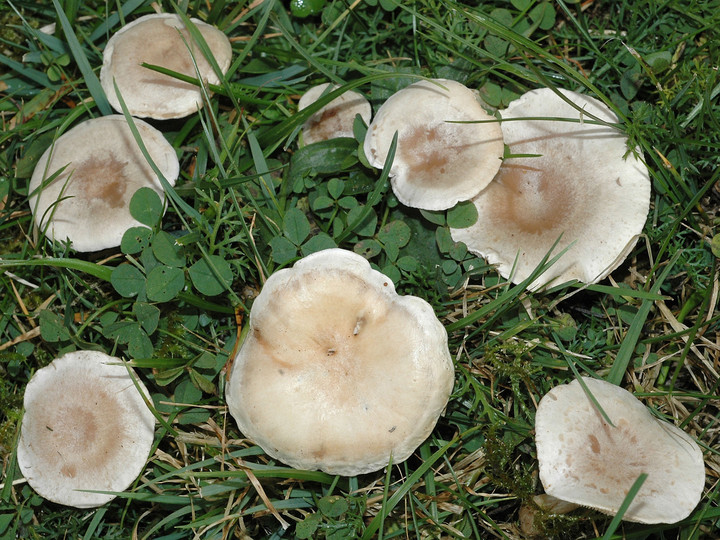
(559, 527)
(504, 468)
(11, 402)
(171, 341)
(9, 35)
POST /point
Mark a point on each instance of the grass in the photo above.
(249, 202)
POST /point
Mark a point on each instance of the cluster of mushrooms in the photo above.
(88, 201)
(566, 187)
(329, 340)
(84, 450)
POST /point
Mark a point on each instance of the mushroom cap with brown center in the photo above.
(88, 202)
(577, 182)
(157, 39)
(85, 427)
(439, 160)
(586, 461)
(338, 372)
(334, 119)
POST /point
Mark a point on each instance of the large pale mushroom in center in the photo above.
(338, 372)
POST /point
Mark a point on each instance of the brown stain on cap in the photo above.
(101, 179)
(84, 436)
(530, 199)
(425, 153)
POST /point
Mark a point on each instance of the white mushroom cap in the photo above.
(86, 427)
(438, 162)
(337, 371)
(581, 186)
(586, 461)
(88, 202)
(334, 119)
(156, 39)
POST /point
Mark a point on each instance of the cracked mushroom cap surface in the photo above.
(82, 185)
(585, 460)
(85, 427)
(334, 119)
(575, 183)
(438, 161)
(338, 371)
(157, 39)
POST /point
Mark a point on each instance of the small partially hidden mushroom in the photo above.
(82, 185)
(162, 40)
(334, 119)
(86, 427)
(448, 147)
(338, 372)
(584, 460)
(528, 513)
(573, 180)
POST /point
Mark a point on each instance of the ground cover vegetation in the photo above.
(250, 201)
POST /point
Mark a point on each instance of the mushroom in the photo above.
(161, 39)
(528, 513)
(448, 147)
(585, 460)
(573, 180)
(82, 185)
(86, 427)
(338, 372)
(334, 119)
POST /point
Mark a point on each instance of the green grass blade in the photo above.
(262, 170)
(38, 77)
(10, 470)
(581, 382)
(376, 193)
(199, 40)
(623, 292)
(96, 270)
(104, 272)
(627, 501)
(96, 520)
(114, 18)
(306, 55)
(150, 533)
(91, 80)
(169, 190)
(232, 90)
(503, 301)
(624, 355)
(384, 511)
(396, 497)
